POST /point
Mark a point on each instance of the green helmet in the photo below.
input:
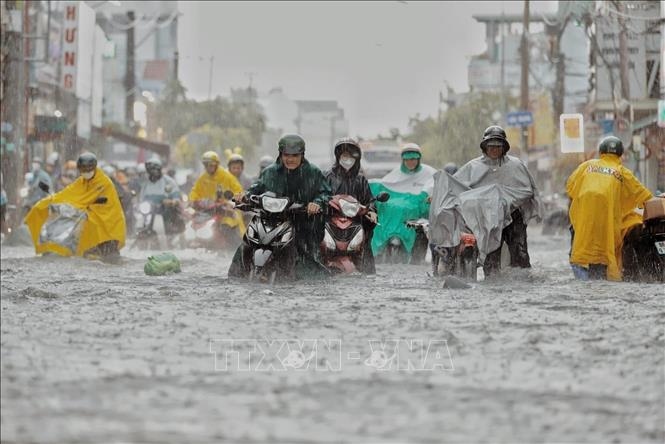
(611, 145)
(291, 144)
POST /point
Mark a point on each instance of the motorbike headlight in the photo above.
(207, 231)
(357, 240)
(329, 242)
(349, 209)
(23, 193)
(145, 208)
(190, 234)
(286, 237)
(274, 205)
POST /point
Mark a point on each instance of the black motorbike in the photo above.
(269, 241)
(644, 247)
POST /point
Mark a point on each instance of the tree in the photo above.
(221, 122)
(456, 138)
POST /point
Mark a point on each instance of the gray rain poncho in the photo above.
(480, 198)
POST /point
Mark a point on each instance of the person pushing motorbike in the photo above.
(344, 178)
(603, 195)
(103, 230)
(294, 177)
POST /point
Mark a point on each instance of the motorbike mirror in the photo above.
(44, 187)
(382, 197)
(254, 199)
(101, 200)
(228, 195)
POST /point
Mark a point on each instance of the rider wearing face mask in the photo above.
(345, 178)
(103, 233)
(164, 192)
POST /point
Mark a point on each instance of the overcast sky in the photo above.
(382, 61)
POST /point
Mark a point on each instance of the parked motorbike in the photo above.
(644, 246)
(205, 229)
(343, 242)
(270, 236)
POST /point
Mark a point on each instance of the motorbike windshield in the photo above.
(274, 204)
(63, 226)
(349, 209)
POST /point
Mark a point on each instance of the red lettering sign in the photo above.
(70, 59)
(69, 81)
(70, 13)
(70, 35)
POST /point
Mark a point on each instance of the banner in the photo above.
(571, 130)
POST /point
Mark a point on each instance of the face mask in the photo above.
(36, 166)
(347, 162)
(88, 175)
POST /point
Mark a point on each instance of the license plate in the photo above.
(660, 246)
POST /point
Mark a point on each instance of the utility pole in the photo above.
(623, 52)
(26, 86)
(130, 77)
(212, 60)
(176, 57)
(524, 84)
(504, 107)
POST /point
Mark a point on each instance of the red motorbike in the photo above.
(205, 229)
(461, 260)
(344, 237)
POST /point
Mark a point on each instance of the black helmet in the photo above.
(450, 168)
(347, 144)
(291, 144)
(495, 132)
(611, 145)
(86, 161)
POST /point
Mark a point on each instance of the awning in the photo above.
(163, 149)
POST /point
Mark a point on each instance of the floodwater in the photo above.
(103, 353)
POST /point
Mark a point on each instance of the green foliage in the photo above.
(456, 137)
(227, 123)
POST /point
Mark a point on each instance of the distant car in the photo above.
(377, 162)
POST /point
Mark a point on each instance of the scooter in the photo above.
(64, 223)
(146, 236)
(205, 228)
(343, 242)
(644, 246)
(269, 240)
(461, 260)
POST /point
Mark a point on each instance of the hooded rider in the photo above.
(164, 192)
(495, 166)
(345, 178)
(603, 195)
(103, 232)
(292, 176)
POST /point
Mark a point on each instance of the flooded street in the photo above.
(102, 353)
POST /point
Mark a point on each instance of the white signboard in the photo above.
(571, 130)
(69, 47)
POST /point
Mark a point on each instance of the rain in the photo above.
(332, 222)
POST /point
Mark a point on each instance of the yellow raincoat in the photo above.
(206, 188)
(603, 195)
(105, 222)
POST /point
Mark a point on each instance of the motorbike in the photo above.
(395, 252)
(644, 246)
(270, 236)
(461, 260)
(64, 223)
(146, 236)
(205, 228)
(344, 237)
